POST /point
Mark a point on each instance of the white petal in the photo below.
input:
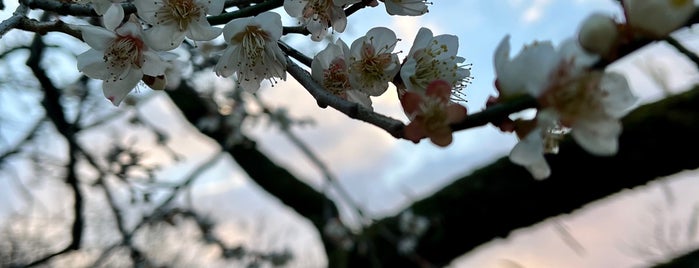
(597, 136)
(383, 37)
(101, 6)
(92, 64)
(97, 37)
(113, 17)
(539, 170)
(225, 65)
(422, 40)
(529, 150)
(116, 91)
(234, 27)
(502, 56)
(201, 30)
(164, 37)
(295, 7)
(338, 19)
(215, 7)
(146, 10)
(271, 22)
(153, 65)
(618, 96)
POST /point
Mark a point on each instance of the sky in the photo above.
(383, 175)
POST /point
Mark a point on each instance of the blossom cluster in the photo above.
(573, 96)
(123, 54)
(573, 93)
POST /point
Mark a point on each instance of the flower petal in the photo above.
(116, 91)
(618, 96)
(92, 64)
(164, 37)
(598, 136)
(113, 17)
(97, 37)
(201, 30)
(414, 131)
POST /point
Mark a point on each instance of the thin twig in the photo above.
(13, 21)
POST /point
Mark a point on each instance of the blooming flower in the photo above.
(657, 18)
(330, 69)
(319, 15)
(570, 95)
(406, 7)
(172, 20)
(433, 58)
(252, 52)
(372, 61)
(432, 113)
(119, 58)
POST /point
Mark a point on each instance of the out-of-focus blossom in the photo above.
(570, 95)
(657, 18)
(172, 20)
(372, 61)
(120, 58)
(406, 7)
(330, 68)
(431, 113)
(599, 34)
(252, 52)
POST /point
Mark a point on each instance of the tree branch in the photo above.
(501, 197)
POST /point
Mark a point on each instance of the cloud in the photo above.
(534, 12)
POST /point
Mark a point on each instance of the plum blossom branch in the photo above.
(495, 112)
(73, 9)
(13, 21)
(245, 12)
(43, 27)
(351, 109)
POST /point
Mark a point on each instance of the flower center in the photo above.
(575, 97)
(434, 113)
(317, 8)
(252, 40)
(122, 53)
(336, 77)
(373, 63)
(181, 12)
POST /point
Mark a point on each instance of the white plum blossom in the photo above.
(570, 95)
(657, 18)
(406, 7)
(372, 61)
(252, 52)
(433, 58)
(319, 15)
(120, 58)
(330, 68)
(172, 20)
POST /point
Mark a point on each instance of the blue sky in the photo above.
(383, 174)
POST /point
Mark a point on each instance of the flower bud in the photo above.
(598, 34)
